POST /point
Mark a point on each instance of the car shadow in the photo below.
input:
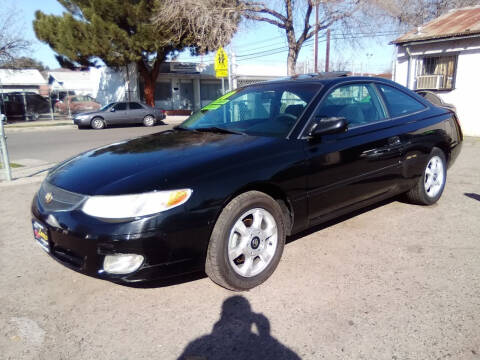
(175, 280)
(342, 218)
(240, 333)
(184, 278)
(472, 196)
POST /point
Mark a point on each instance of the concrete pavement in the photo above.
(395, 282)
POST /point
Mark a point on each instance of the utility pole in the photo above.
(4, 151)
(230, 75)
(316, 40)
(327, 55)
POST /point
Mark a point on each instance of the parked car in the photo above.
(58, 96)
(77, 104)
(120, 113)
(23, 106)
(435, 99)
(221, 191)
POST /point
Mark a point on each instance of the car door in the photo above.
(118, 114)
(357, 166)
(136, 112)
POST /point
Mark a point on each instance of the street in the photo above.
(395, 281)
(36, 144)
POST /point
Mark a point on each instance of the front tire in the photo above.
(430, 185)
(97, 123)
(149, 120)
(247, 242)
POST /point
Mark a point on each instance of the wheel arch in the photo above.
(444, 146)
(272, 190)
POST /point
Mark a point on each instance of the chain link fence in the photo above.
(21, 106)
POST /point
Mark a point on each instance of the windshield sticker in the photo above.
(219, 102)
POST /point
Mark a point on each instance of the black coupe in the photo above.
(223, 190)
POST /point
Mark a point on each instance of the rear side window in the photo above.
(120, 106)
(398, 103)
(135, 106)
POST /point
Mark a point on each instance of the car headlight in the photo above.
(135, 205)
(82, 117)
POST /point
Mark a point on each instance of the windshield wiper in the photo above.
(178, 127)
(217, 129)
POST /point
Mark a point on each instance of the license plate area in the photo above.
(40, 233)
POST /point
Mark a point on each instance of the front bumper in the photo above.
(82, 122)
(81, 243)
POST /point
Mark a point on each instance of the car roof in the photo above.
(332, 78)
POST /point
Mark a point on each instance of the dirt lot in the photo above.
(395, 282)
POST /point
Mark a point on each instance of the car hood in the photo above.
(166, 160)
(87, 113)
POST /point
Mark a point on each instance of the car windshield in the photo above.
(106, 107)
(260, 110)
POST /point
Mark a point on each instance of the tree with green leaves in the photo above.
(119, 32)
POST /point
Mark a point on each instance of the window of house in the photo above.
(210, 90)
(436, 72)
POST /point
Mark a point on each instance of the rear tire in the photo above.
(430, 185)
(97, 123)
(149, 120)
(247, 242)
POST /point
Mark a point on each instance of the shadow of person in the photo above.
(239, 334)
(473, 196)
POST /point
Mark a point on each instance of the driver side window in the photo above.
(358, 103)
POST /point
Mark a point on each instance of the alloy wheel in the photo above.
(434, 176)
(97, 123)
(148, 120)
(252, 242)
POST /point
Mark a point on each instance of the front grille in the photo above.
(68, 257)
(60, 199)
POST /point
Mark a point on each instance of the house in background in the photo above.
(183, 87)
(104, 84)
(23, 80)
(444, 56)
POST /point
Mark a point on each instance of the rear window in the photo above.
(135, 106)
(398, 103)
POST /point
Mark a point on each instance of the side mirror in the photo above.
(327, 126)
(112, 109)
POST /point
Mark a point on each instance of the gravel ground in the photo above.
(395, 282)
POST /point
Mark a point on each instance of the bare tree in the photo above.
(12, 43)
(294, 17)
(203, 24)
(418, 12)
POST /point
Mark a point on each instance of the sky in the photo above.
(373, 55)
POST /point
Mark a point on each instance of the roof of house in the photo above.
(455, 23)
(70, 79)
(21, 77)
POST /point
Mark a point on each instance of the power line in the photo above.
(309, 43)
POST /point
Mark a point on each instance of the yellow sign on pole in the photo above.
(221, 63)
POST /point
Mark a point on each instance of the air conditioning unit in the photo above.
(429, 82)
